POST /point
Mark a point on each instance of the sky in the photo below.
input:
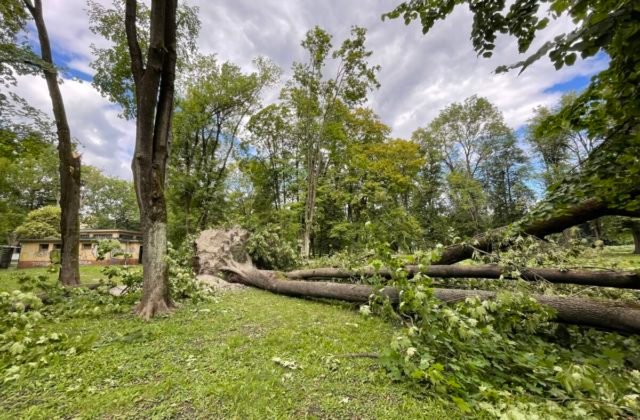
(420, 74)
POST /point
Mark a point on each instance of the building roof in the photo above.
(84, 232)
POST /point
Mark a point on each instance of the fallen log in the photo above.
(599, 187)
(617, 279)
(609, 315)
(583, 212)
(219, 251)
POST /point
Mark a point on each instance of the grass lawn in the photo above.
(215, 360)
(8, 281)
(617, 257)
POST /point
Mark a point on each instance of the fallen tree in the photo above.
(617, 279)
(220, 252)
(503, 237)
(606, 184)
(608, 315)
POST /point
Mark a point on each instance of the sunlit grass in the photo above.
(215, 360)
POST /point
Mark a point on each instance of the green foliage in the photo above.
(270, 250)
(112, 65)
(41, 223)
(218, 98)
(608, 109)
(182, 278)
(108, 202)
(475, 173)
(129, 276)
(27, 341)
(28, 176)
(113, 247)
(503, 356)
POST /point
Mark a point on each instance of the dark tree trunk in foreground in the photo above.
(617, 279)
(580, 213)
(608, 315)
(69, 159)
(154, 90)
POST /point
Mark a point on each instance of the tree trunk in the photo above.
(617, 279)
(582, 212)
(156, 298)
(154, 90)
(608, 315)
(596, 228)
(309, 213)
(69, 166)
(635, 231)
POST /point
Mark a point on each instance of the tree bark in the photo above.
(587, 312)
(154, 90)
(582, 212)
(617, 279)
(635, 231)
(69, 165)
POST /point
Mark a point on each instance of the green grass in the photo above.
(8, 279)
(618, 257)
(214, 360)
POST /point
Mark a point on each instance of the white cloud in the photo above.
(420, 74)
(104, 140)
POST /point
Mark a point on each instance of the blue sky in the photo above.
(419, 74)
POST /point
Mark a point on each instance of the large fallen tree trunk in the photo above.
(606, 184)
(617, 279)
(219, 251)
(608, 315)
(583, 212)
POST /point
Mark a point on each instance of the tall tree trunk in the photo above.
(154, 88)
(309, 208)
(596, 228)
(69, 160)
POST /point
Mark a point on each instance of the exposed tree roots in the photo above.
(152, 307)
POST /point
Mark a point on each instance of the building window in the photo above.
(57, 246)
(86, 246)
(44, 247)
